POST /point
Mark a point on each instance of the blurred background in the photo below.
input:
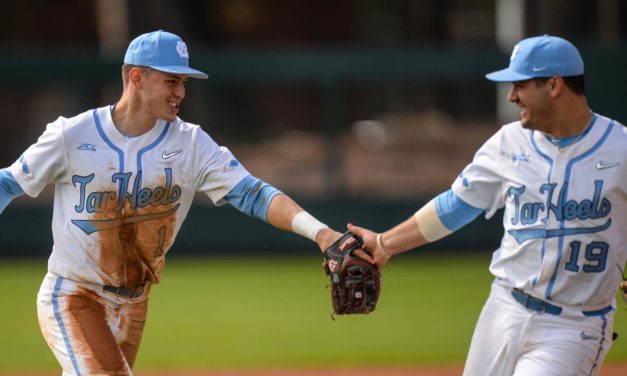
(361, 110)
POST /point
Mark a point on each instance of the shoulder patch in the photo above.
(231, 165)
(26, 171)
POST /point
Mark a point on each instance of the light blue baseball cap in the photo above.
(162, 51)
(543, 56)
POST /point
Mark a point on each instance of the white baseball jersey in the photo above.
(565, 216)
(120, 201)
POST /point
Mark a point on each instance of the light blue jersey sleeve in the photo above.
(453, 211)
(252, 197)
(9, 189)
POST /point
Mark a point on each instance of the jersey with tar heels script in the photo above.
(565, 216)
(120, 201)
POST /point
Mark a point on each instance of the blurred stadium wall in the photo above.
(362, 110)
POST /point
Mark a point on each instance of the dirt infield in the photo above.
(608, 370)
(422, 371)
(612, 369)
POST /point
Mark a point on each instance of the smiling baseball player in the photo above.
(559, 173)
(125, 176)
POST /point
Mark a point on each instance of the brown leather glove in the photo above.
(355, 283)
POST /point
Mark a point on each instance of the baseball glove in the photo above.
(355, 283)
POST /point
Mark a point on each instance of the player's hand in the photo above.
(369, 239)
(623, 286)
(326, 237)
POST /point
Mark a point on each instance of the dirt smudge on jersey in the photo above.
(152, 239)
(134, 253)
(110, 246)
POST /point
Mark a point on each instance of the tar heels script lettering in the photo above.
(564, 210)
(99, 202)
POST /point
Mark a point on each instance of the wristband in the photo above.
(306, 225)
(380, 244)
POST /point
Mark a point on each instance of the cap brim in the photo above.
(507, 75)
(178, 69)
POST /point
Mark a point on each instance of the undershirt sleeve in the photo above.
(252, 197)
(453, 211)
(9, 189)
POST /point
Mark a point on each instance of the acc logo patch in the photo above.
(88, 147)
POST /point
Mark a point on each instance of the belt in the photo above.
(535, 304)
(126, 292)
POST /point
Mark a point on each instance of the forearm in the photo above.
(402, 237)
(423, 227)
(281, 212)
(287, 215)
(260, 200)
(438, 218)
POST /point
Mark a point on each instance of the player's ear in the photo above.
(136, 76)
(555, 85)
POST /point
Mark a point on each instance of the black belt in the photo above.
(126, 292)
(535, 304)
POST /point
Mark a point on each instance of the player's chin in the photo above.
(171, 111)
(524, 119)
(169, 116)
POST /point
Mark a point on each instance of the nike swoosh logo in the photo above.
(602, 165)
(166, 155)
(538, 69)
(93, 225)
(585, 335)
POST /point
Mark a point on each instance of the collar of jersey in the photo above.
(118, 138)
(563, 142)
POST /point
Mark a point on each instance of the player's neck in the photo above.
(130, 122)
(570, 120)
(572, 126)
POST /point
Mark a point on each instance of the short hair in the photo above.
(126, 68)
(575, 83)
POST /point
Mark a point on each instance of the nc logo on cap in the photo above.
(181, 48)
(514, 53)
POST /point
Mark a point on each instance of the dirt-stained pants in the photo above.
(90, 331)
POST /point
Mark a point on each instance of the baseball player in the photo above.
(125, 176)
(559, 173)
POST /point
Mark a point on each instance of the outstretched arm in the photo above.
(441, 216)
(9, 189)
(287, 215)
(261, 200)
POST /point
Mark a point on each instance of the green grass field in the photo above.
(273, 313)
